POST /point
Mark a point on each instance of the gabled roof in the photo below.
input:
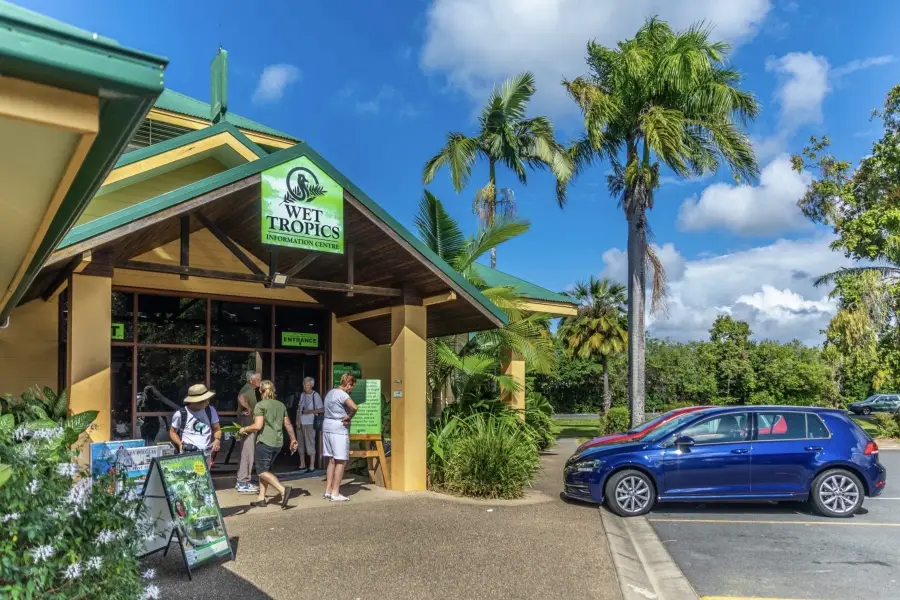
(176, 102)
(495, 278)
(105, 224)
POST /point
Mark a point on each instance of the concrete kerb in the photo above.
(643, 566)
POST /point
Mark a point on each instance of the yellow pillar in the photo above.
(88, 350)
(408, 397)
(514, 366)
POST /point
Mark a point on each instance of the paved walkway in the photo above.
(402, 546)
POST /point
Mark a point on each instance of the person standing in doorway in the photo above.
(339, 409)
(269, 418)
(308, 413)
(195, 428)
(247, 399)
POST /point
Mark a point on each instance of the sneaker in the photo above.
(340, 498)
(246, 488)
(327, 496)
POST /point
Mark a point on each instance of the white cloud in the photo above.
(767, 209)
(803, 86)
(478, 43)
(386, 99)
(859, 65)
(274, 81)
(770, 286)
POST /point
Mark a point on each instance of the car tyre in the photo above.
(867, 411)
(837, 493)
(630, 493)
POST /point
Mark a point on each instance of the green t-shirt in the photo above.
(273, 413)
(251, 396)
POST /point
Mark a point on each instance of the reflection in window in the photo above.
(171, 320)
(227, 372)
(165, 374)
(290, 369)
(719, 430)
(122, 317)
(241, 324)
(121, 372)
(299, 328)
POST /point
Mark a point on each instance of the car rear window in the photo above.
(815, 428)
(789, 425)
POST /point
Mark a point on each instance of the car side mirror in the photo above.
(684, 442)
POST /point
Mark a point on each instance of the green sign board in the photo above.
(340, 368)
(367, 396)
(195, 508)
(302, 207)
(294, 339)
(118, 331)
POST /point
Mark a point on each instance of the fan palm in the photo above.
(505, 137)
(600, 330)
(662, 97)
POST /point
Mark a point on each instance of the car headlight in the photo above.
(586, 466)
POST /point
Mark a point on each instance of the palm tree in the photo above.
(526, 334)
(600, 329)
(505, 137)
(662, 97)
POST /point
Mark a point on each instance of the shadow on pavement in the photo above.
(579, 503)
(748, 509)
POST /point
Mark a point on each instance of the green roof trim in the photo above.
(495, 278)
(128, 215)
(189, 138)
(176, 102)
(45, 51)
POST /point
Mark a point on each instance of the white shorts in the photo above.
(336, 445)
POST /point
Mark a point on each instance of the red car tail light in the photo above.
(871, 448)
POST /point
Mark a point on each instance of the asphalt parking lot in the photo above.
(785, 550)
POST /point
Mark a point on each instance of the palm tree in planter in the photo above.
(600, 329)
(666, 97)
(505, 137)
(526, 334)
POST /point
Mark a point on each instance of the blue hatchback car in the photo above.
(738, 453)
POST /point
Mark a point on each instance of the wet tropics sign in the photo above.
(302, 207)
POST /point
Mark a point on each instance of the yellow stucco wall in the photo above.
(349, 345)
(110, 202)
(28, 347)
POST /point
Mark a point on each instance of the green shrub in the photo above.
(888, 425)
(617, 420)
(439, 445)
(62, 536)
(491, 457)
(539, 422)
(676, 405)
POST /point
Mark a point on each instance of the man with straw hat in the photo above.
(195, 428)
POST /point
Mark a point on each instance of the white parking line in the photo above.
(880, 498)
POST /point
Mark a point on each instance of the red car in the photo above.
(641, 430)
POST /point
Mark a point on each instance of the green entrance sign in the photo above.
(340, 368)
(367, 396)
(302, 207)
(118, 331)
(293, 339)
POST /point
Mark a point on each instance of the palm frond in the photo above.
(437, 229)
(887, 272)
(459, 155)
(503, 230)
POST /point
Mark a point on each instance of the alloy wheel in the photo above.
(839, 494)
(632, 494)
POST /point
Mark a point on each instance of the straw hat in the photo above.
(198, 393)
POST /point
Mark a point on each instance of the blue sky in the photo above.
(375, 86)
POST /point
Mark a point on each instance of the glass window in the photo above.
(121, 364)
(719, 430)
(815, 428)
(241, 324)
(781, 426)
(227, 371)
(299, 328)
(122, 317)
(290, 370)
(171, 320)
(165, 374)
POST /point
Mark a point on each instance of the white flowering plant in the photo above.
(62, 534)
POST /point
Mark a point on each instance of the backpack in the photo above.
(183, 412)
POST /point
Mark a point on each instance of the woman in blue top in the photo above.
(339, 409)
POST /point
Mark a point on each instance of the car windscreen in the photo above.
(647, 426)
(664, 430)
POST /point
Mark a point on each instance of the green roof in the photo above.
(128, 215)
(173, 101)
(188, 138)
(42, 50)
(495, 278)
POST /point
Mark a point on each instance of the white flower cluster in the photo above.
(149, 574)
(34, 487)
(73, 571)
(27, 450)
(78, 494)
(21, 433)
(9, 517)
(42, 553)
(106, 536)
(95, 563)
(47, 434)
(130, 494)
(67, 469)
(151, 592)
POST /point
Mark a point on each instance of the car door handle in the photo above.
(740, 451)
(814, 448)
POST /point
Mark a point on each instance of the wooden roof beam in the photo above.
(76, 265)
(229, 244)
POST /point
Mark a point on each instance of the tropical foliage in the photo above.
(506, 136)
(666, 97)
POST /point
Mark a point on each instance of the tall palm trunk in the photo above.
(607, 393)
(636, 214)
(492, 208)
